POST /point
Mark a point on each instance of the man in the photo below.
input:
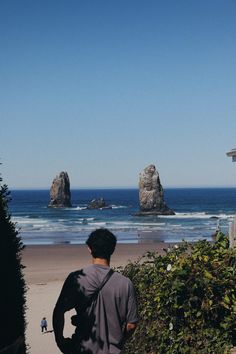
(104, 319)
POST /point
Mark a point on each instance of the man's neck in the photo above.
(101, 261)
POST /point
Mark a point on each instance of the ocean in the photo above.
(198, 213)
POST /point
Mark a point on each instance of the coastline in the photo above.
(198, 212)
(46, 267)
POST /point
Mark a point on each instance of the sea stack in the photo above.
(151, 195)
(60, 196)
(97, 204)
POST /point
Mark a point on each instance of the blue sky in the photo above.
(103, 88)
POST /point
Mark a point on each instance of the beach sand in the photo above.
(46, 269)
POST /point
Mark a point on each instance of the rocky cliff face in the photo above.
(151, 195)
(60, 195)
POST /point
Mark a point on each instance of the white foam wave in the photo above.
(84, 220)
(135, 224)
(225, 216)
(197, 215)
(69, 225)
(26, 220)
(119, 207)
(99, 224)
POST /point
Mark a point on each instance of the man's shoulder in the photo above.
(87, 269)
(116, 277)
(84, 272)
(121, 279)
(74, 275)
(121, 276)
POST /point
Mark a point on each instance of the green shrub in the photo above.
(12, 294)
(186, 298)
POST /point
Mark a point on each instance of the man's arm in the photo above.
(64, 303)
(132, 313)
(58, 321)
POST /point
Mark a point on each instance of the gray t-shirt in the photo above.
(114, 307)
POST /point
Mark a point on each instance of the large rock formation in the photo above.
(60, 195)
(151, 195)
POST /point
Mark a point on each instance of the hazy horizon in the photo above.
(123, 187)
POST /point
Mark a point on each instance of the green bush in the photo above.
(12, 294)
(186, 299)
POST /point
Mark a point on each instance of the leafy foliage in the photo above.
(186, 298)
(13, 288)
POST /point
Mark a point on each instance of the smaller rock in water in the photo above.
(60, 195)
(98, 204)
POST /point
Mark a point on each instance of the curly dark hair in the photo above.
(102, 243)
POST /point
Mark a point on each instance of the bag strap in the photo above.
(75, 318)
(105, 280)
(95, 294)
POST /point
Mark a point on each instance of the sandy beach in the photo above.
(45, 272)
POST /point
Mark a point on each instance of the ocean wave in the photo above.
(26, 220)
(180, 225)
(84, 207)
(197, 215)
(119, 207)
(136, 223)
(100, 224)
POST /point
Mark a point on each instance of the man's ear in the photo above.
(90, 251)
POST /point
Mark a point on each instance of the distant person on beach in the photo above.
(44, 324)
(104, 301)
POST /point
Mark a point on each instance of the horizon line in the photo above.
(122, 187)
